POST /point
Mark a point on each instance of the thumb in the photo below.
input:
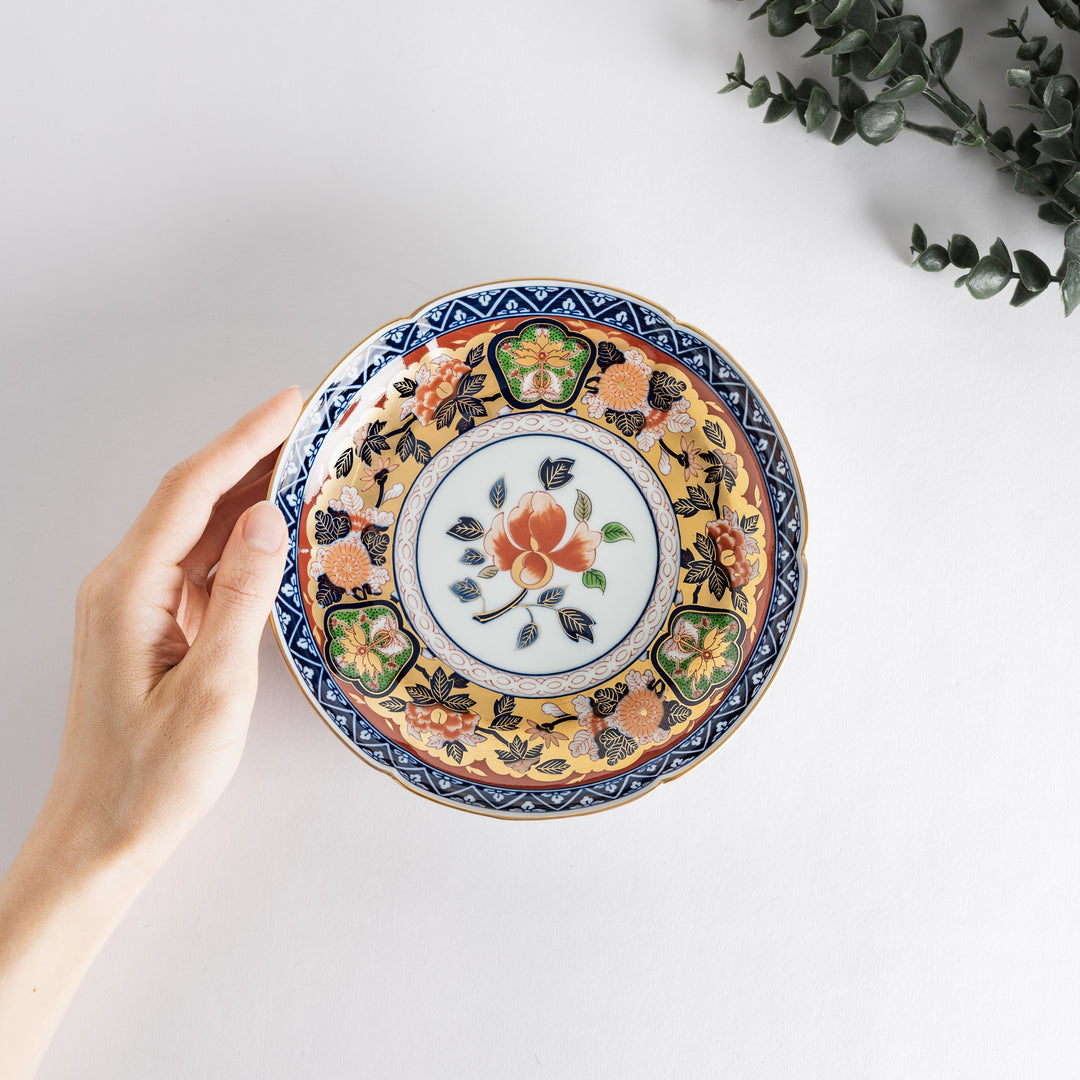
(247, 580)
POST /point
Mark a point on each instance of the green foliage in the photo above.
(877, 42)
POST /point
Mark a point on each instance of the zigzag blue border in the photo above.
(621, 313)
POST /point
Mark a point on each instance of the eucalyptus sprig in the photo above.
(875, 42)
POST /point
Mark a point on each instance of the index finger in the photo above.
(177, 513)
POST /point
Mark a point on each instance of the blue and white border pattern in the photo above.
(622, 313)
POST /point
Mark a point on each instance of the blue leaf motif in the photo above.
(466, 590)
(555, 473)
(466, 528)
(497, 494)
(472, 557)
(576, 624)
(528, 634)
(331, 525)
(551, 597)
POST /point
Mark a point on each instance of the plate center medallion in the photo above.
(537, 554)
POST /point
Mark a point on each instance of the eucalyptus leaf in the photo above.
(838, 13)
(913, 84)
(934, 258)
(945, 50)
(888, 62)
(880, 121)
(962, 251)
(817, 109)
(759, 93)
(988, 278)
(851, 41)
(783, 18)
(1001, 253)
(1034, 273)
(871, 40)
(1070, 288)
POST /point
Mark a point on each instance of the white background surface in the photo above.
(878, 874)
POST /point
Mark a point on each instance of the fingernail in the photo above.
(264, 527)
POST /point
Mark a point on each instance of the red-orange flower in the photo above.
(442, 725)
(528, 541)
(733, 548)
(435, 382)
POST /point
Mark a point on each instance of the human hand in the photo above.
(163, 680)
(166, 649)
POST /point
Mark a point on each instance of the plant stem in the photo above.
(487, 616)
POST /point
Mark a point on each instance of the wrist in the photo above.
(76, 851)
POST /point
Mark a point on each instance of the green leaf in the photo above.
(851, 98)
(1072, 237)
(759, 93)
(594, 579)
(988, 278)
(863, 16)
(854, 39)
(783, 19)
(777, 110)
(934, 258)
(1001, 252)
(914, 62)
(844, 130)
(1070, 287)
(918, 239)
(1017, 77)
(1051, 62)
(888, 62)
(740, 68)
(838, 13)
(1057, 149)
(962, 251)
(1032, 49)
(613, 532)
(944, 50)
(880, 121)
(1049, 211)
(913, 84)
(908, 27)
(787, 87)
(1022, 295)
(817, 109)
(1034, 273)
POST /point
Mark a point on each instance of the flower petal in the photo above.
(499, 546)
(546, 522)
(579, 552)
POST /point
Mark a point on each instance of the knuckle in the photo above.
(239, 588)
(184, 478)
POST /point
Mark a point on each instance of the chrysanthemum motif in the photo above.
(347, 564)
(623, 387)
(641, 710)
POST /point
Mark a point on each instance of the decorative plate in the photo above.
(545, 548)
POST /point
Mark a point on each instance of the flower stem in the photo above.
(487, 616)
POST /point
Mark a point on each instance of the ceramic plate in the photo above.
(545, 548)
